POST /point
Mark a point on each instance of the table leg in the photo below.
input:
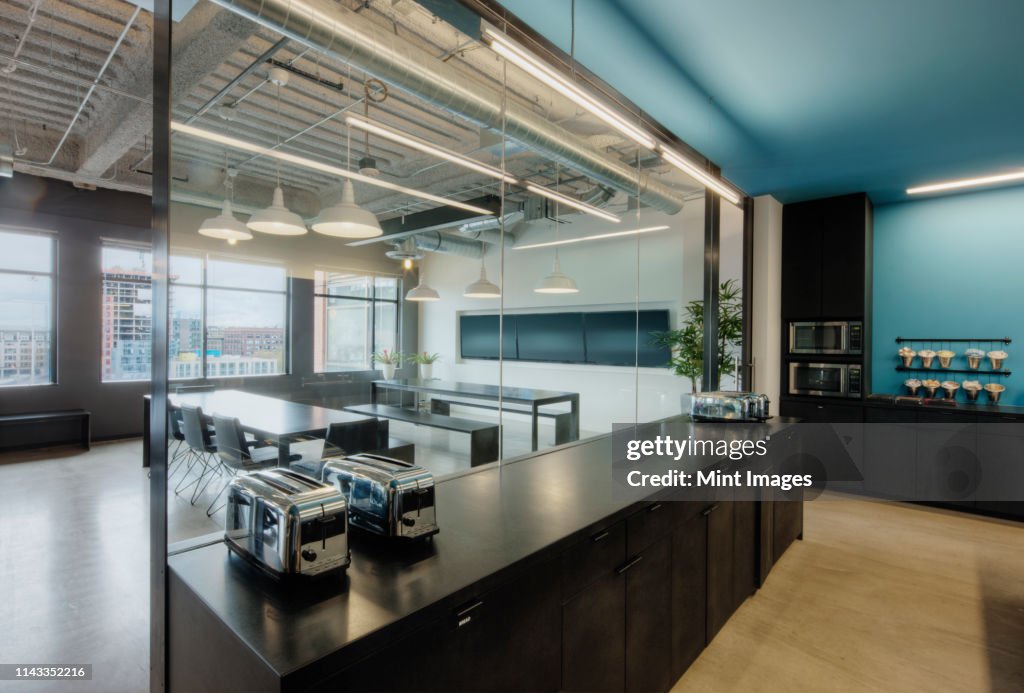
(373, 393)
(284, 452)
(575, 409)
(534, 415)
(145, 431)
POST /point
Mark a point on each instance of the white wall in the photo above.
(670, 274)
(766, 312)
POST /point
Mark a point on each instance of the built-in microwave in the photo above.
(825, 379)
(843, 337)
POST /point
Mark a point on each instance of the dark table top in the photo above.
(490, 521)
(268, 416)
(520, 395)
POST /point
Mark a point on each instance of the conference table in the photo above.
(532, 398)
(279, 421)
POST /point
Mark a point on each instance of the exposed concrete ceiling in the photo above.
(220, 81)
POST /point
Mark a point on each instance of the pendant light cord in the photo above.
(277, 129)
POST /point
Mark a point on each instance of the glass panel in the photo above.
(347, 339)
(730, 296)
(186, 269)
(245, 333)
(127, 314)
(26, 252)
(136, 263)
(25, 332)
(185, 333)
(343, 284)
(245, 275)
(386, 288)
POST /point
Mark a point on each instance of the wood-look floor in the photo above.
(880, 597)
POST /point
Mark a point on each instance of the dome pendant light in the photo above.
(225, 226)
(347, 219)
(422, 292)
(482, 287)
(557, 282)
(277, 219)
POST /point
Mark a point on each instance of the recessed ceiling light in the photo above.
(966, 183)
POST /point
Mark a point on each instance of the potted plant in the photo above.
(425, 361)
(389, 362)
(687, 343)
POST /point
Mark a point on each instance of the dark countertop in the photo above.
(980, 407)
(491, 521)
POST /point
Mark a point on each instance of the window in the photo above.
(27, 324)
(127, 312)
(355, 316)
(228, 318)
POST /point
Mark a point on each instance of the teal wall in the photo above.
(950, 267)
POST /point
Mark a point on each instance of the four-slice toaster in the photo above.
(385, 496)
(287, 523)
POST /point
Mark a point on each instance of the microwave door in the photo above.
(817, 379)
(818, 338)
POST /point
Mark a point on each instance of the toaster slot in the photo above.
(279, 479)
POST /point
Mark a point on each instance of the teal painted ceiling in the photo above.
(809, 98)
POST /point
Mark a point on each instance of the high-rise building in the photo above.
(127, 324)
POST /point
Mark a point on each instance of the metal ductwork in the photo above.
(488, 229)
(346, 36)
(437, 242)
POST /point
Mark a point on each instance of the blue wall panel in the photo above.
(950, 267)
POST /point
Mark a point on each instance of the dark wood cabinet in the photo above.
(721, 596)
(787, 520)
(594, 636)
(744, 551)
(824, 244)
(689, 584)
(649, 618)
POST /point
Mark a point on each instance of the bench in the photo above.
(564, 429)
(43, 417)
(483, 436)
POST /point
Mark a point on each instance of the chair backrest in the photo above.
(194, 427)
(174, 424)
(359, 436)
(231, 445)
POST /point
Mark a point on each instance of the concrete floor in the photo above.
(878, 597)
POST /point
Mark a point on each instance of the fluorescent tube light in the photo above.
(576, 204)
(614, 234)
(692, 169)
(314, 165)
(505, 47)
(428, 148)
(966, 183)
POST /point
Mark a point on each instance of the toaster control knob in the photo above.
(309, 555)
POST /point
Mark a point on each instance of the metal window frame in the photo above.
(53, 275)
(373, 300)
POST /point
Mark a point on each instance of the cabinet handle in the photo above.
(632, 562)
(710, 509)
(600, 536)
(465, 615)
(654, 507)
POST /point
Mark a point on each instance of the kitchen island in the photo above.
(526, 587)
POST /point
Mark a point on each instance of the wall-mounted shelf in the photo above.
(964, 371)
(999, 340)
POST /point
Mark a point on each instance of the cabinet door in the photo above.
(801, 262)
(890, 453)
(842, 257)
(947, 469)
(594, 636)
(689, 586)
(721, 598)
(649, 619)
(787, 520)
(744, 550)
(1001, 454)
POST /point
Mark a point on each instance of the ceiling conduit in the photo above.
(356, 40)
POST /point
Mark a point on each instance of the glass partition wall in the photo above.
(403, 233)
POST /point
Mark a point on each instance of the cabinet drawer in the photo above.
(647, 526)
(597, 555)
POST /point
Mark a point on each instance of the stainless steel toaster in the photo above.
(385, 496)
(287, 523)
(729, 406)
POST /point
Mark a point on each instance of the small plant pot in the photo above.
(388, 370)
(926, 361)
(993, 397)
(973, 362)
(908, 361)
(950, 392)
(913, 390)
(996, 363)
(930, 392)
(972, 395)
(944, 361)
(426, 371)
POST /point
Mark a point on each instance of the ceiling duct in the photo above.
(437, 242)
(351, 38)
(488, 229)
(406, 250)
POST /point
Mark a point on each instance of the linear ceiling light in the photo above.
(428, 148)
(966, 183)
(507, 48)
(576, 204)
(614, 234)
(318, 166)
(692, 169)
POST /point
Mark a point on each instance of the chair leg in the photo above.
(210, 510)
(191, 459)
(213, 470)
